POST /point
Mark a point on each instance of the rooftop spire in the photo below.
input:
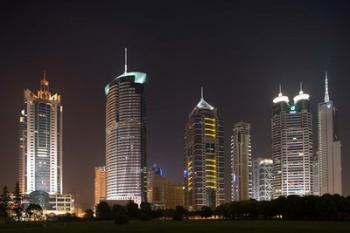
(280, 97)
(301, 88)
(326, 95)
(280, 89)
(44, 75)
(202, 104)
(44, 84)
(125, 60)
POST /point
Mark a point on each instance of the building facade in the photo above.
(161, 193)
(157, 188)
(292, 145)
(329, 147)
(100, 184)
(204, 157)
(241, 163)
(126, 137)
(40, 142)
(52, 204)
(175, 196)
(262, 179)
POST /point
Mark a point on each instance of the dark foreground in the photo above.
(181, 227)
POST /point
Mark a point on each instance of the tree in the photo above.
(295, 208)
(224, 211)
(328, 207)
(146, 207)
(145, 211)
(17, 202)
(5, 198)
(103, 211)
(88, 214)
(206, 212)
(120, 215)
(265, 209)
(311, 207)
(132, 209)
(279, 206)
(34, 211)
(180, 213)
(3, 214)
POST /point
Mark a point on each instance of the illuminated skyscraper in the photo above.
(126, 137)
(241, 162)
(262, 179)
(204, 157)
(329, 147)
(292, 145)
(100, 184)
(40, 142)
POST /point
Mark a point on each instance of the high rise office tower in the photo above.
(126, 137)
(40, 142)
(292, 145)
(100, 184)
(329, 147)
(241, 162)
(204, 157)
(262, 179)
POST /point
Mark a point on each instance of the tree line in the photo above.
(326, 207)
(11, 207)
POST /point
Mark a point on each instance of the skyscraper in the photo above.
(100, 184)
(126, 137)
(262, 179)
(292, 145)
(329, 147)
(204, 157)
(40, 141)
(241, 162)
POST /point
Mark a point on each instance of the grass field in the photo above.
(181, 227)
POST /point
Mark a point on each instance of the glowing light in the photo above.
(107, 89)
(301, 96)
(139, 76)
(281, 98)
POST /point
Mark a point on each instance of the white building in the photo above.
(292, 145)
(262, 179)
(329, 147)
(40, 142)
(126, 137)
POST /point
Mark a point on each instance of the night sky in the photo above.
(239, 53)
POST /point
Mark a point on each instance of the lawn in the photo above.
(181, 227)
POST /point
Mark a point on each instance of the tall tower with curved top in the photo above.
(126, 137)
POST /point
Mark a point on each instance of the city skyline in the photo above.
(80, 65)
